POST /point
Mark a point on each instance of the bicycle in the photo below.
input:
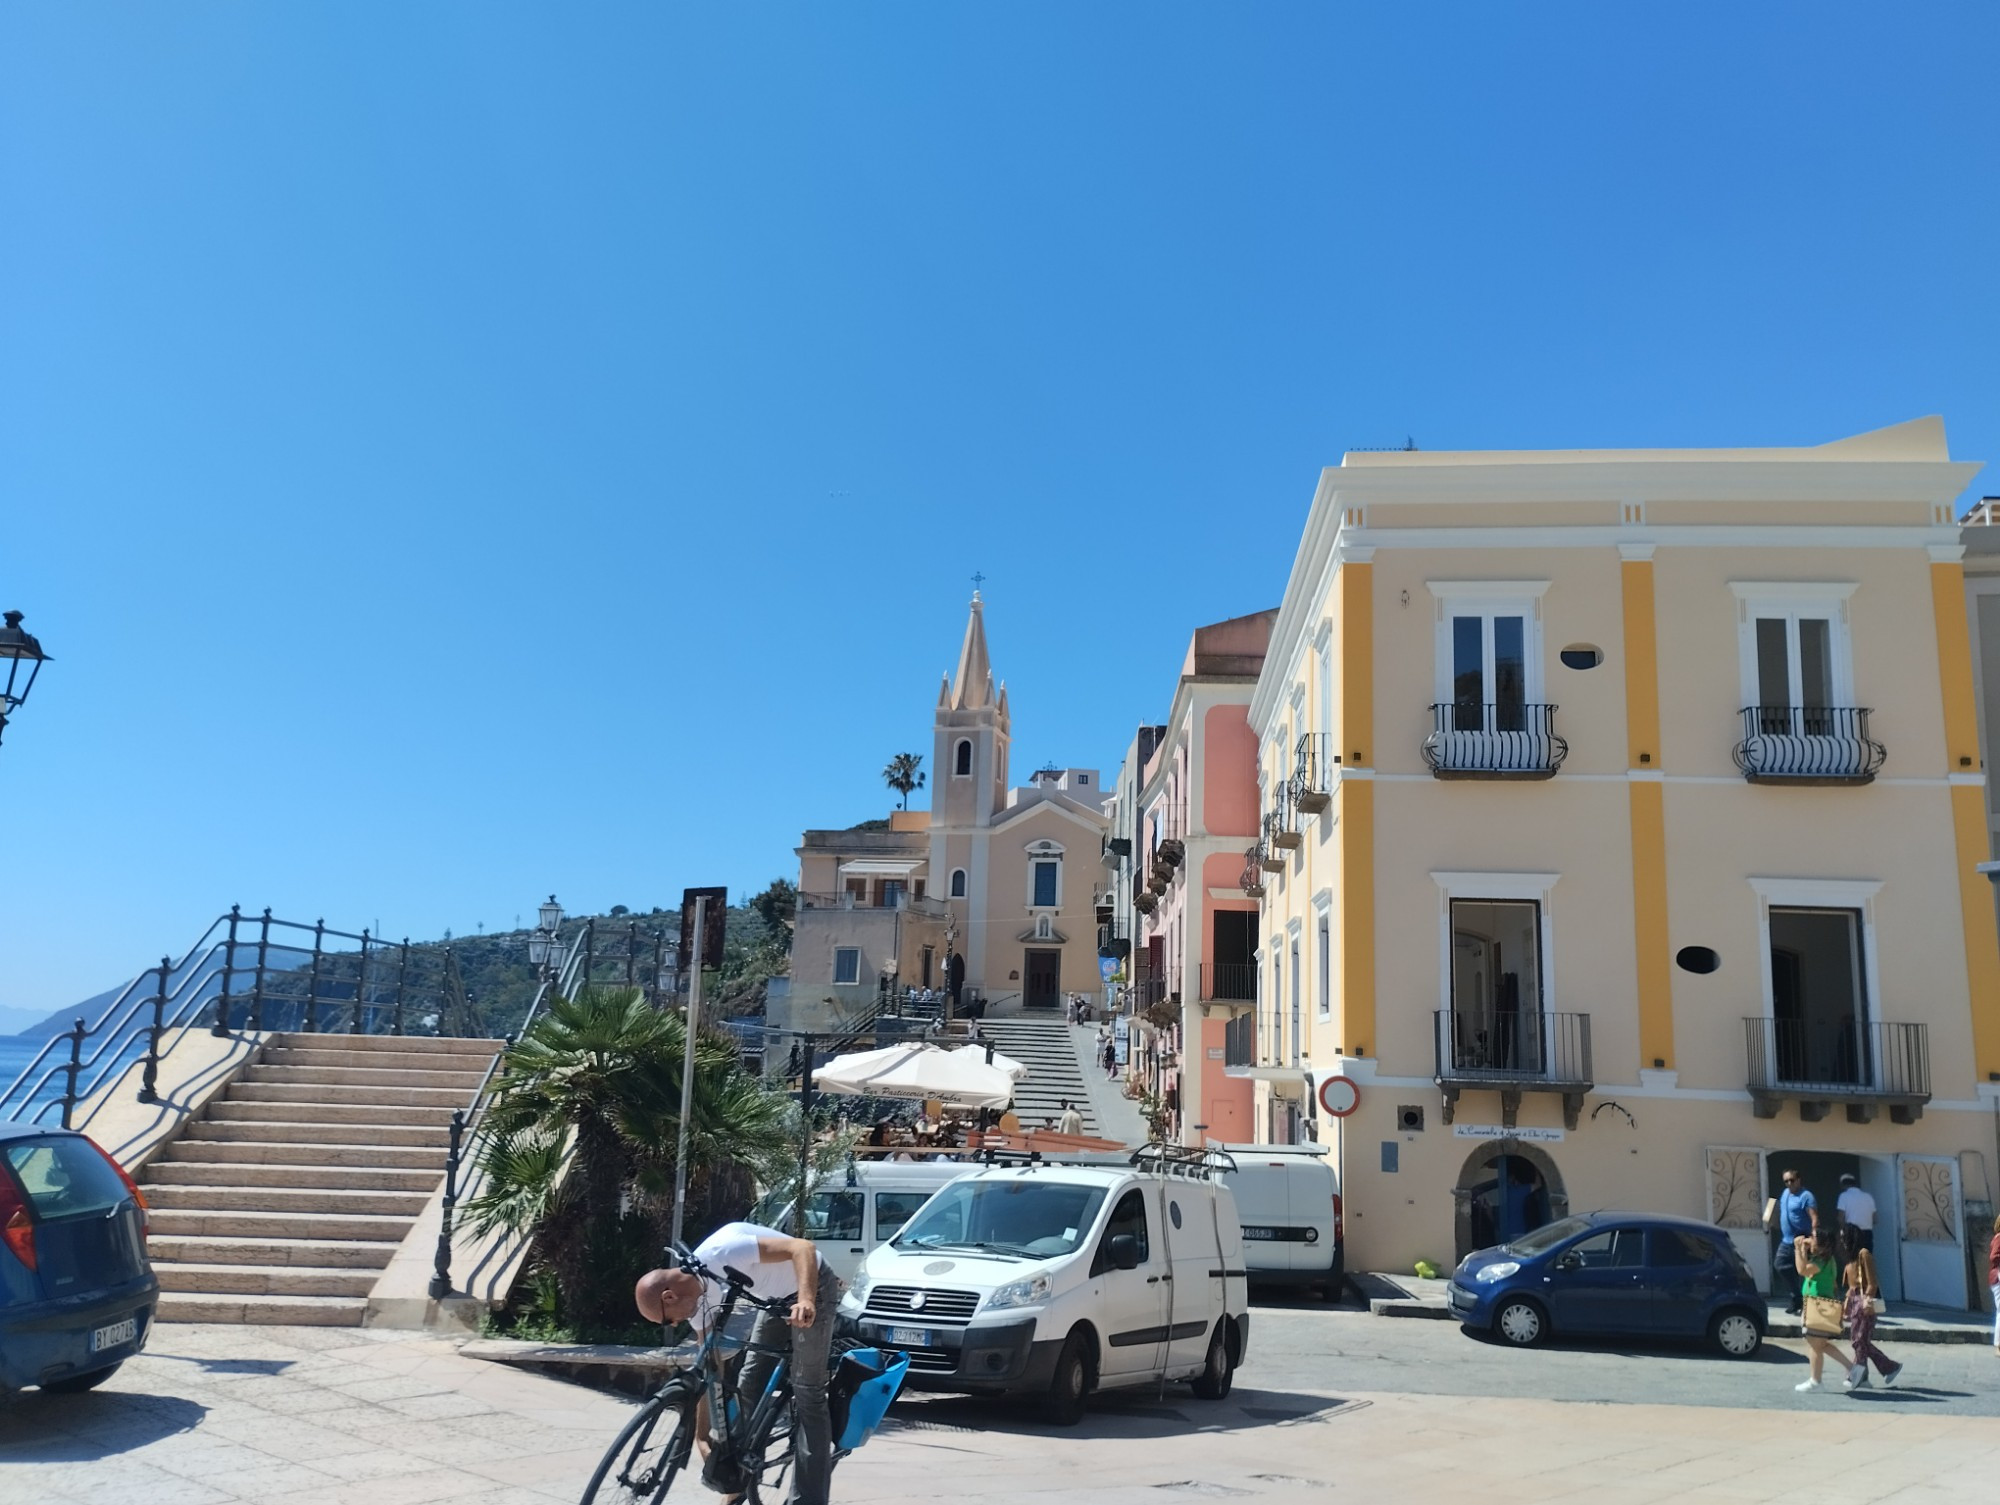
(751, 1453)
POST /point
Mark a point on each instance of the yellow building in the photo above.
(1622, 819)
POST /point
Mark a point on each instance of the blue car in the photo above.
(1613, 1274)
(76, 1291)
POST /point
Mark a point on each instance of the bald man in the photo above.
(778, 1267)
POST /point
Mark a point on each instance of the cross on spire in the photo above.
(977, 580)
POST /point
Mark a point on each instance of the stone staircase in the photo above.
(289, 1194)
(1046, 1048)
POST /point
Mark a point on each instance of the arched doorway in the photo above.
(1504, 1190)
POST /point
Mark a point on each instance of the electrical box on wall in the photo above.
(1391, 1151)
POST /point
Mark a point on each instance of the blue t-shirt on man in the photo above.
(1795, 1210)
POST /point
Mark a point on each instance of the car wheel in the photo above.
(76, 1384)
(1520, 1322)
(1070, 1384)
(1219, 1372)
(1735, 1334)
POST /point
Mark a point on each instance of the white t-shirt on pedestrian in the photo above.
(1857, 1207)
(734, 1246)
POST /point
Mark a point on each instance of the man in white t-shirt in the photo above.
(1857, 1211)
(778, 1266)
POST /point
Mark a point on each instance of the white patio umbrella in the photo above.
(1015, 1070)
(950, 1076)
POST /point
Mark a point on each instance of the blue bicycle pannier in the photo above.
(858, 1395)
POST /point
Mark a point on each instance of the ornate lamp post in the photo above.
(545, 945)
(18, 648)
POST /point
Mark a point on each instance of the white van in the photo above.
(850, 1212)
(1057, 1280)
(1289, 1201)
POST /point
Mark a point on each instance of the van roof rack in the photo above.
(995, 1155)
(1196, 1163)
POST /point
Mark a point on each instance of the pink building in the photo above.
(1194, 964)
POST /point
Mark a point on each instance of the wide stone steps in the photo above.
(169, 1249)
(280, 1157)
(267, 1280)
(195, 1174)
(290, 1131)
(285, 1201)
(1045, 1047)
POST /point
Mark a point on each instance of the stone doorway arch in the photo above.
(1511, 1162)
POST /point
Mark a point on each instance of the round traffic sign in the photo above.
(1339, 1096)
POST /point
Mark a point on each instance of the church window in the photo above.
(958, 883)
(1047, 875)
(962, 759)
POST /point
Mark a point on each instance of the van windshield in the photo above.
(1029, 1219)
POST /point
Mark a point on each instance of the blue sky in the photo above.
(461, 451)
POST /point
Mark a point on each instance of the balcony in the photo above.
(1228, 982)
(1813, 744)
(1280, 831)
(928, 908)
(1312, 774)
(1865, 1067)
(1508, 740)
(1252, 881)
(1514, 1053)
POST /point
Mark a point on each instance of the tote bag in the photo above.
(1823, 1316)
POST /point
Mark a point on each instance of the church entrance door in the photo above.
(1043, 971)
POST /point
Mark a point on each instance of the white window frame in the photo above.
(838, 953)
(1472, 887)
(1298, 1010)
(1489, 599)
(1820, 893)
(960, 884)
(1790, 600)
(1323, 939)
(1044, 851)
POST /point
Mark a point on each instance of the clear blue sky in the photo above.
(460, 451)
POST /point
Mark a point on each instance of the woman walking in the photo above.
(1858, 1276)
(1820, 1289)
(1993, 1281)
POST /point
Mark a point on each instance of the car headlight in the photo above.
(857, 1289)
(1021, 1293)
(1501, 1271)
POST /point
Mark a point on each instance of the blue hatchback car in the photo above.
(76, 1291)
(1613, 1274)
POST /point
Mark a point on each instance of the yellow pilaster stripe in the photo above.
(1968, 815)
(1356, 586)
(1651, 948)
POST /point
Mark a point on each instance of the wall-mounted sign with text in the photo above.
(1500, 1131)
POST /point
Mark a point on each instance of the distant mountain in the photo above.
(18, 1021)
(41, 1026)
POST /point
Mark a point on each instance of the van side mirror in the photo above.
(1125, 1251)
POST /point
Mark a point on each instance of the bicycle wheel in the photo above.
(648, 1454)
(769, 1465)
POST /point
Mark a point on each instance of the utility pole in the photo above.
(693, 1020)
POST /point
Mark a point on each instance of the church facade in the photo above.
(1006, 880)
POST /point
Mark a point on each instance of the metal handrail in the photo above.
(1808, 744)
(1529, 1047)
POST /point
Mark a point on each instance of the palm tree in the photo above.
(578, 1146)
(903, 775)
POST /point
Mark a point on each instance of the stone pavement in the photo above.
(313, 1416)
(317, 1416)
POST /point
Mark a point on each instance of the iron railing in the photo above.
(1808, 744)
(1235, 982)
(1525, 1048)
(1239, 1041)
(1312, 773)
(1510, 739)
(926, 906)
(1281, 829)
(1800, 1058)
(1254, 864)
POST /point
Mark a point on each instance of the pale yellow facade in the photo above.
(1685, 885)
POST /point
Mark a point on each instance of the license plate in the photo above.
(909, 1337)
(115, 1334)
(1260, 1233)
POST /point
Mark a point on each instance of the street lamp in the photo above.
(18, 648)
(544, 946)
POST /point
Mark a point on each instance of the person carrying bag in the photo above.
(1819, 1289)
(1863, 1304)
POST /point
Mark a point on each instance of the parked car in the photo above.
(76, 1291)
(1057, 1280)
(851, 1213)
(1613, 1274)
(1288, 1199)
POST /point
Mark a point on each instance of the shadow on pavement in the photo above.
(227, 1366)
(1666, 1348)
(1904, 1395)
(37, 1428)
(1133, 1415)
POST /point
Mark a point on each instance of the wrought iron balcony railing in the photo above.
(1312, 774)
(1516, 1052)
(1507, 740)
(1252, 881)
(1281, 829)
(1810, 744)
(1863, 1066)
(1235, 982)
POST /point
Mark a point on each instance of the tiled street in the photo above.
(1335, 1402)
